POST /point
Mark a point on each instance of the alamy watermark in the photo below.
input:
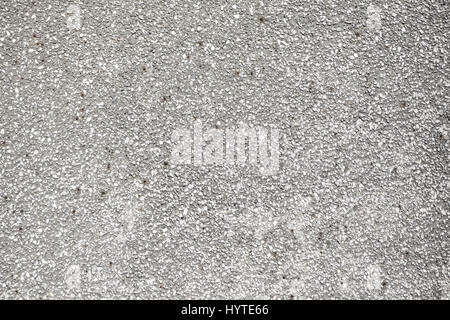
(244, 145)
(74, 17)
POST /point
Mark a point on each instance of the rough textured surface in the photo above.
(91, 206)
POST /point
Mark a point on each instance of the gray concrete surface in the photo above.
(92, 207)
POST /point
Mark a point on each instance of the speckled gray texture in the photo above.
(92, 207)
